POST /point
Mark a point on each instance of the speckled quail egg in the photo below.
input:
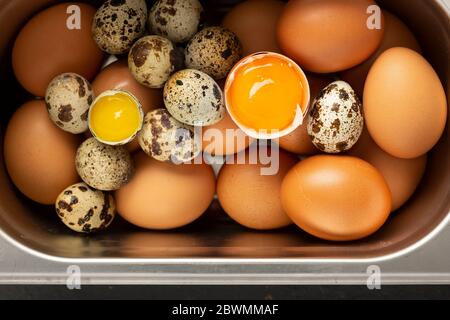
(118, 23)
(102, 166)
(176, 20)
(336, 121)
(68, 98)
(214, 50)
(84, 209)
(152, 60)
(194, 98)
(165, 139)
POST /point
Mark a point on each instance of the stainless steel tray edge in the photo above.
(425, 262)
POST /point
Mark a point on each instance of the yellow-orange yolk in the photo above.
(265, 93)
(115, 118)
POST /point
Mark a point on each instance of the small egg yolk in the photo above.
(265, 93)
(115, 118)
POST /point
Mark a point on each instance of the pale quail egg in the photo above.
(102, 166)
(336, 121)
(194, 98)
(165, 139)
(176, 20)
(152, 60)
(84, 209)
(68, 98)
(118, 23)
(214, 50)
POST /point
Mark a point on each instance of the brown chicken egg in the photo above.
(298, 141)
(52, 43)
(396, 34)
(224, 138)
(405, 106)
(117, 76)
(329, 35)
(401, 175)
(251, 198)
(165, 196)
(336, 198)
(254, 22)
(39, 157)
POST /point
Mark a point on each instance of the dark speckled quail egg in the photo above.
(118, 23)
(336, 120)
(68, 98)
(194, 98)
(84, 209)
(165, 139)
(152, 60)
(176, 20)
(214, 50)
(102, 166)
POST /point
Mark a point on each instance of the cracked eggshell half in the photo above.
(112, 122)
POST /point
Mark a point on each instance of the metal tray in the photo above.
(411, 248)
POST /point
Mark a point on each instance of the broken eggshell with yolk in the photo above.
(115, 117)
(267, 95)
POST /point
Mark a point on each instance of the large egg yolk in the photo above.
(115, 118)
(265, 93)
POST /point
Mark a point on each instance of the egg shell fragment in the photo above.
(214, 50)
(166, 139)
(68, 99)
(336, 120)
(177, 20)
(84, 209)
(152, 60)
(102, 166)
(118, 23)
(194, 98)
